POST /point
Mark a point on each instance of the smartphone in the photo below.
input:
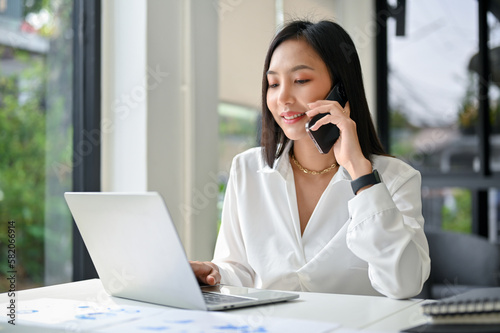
(325, 137)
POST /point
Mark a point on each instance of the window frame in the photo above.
(86, 117)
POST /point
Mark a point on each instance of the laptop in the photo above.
(138, 255)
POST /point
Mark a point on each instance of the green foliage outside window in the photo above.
(459, 218)
(35, 147)
(22, 170)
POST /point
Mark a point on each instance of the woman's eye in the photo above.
(302, 81)
(273, 85)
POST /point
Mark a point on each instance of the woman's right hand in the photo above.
(206, 272)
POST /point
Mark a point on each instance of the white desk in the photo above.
(379, 314)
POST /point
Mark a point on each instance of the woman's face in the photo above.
(296, 76)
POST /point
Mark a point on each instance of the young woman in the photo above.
(348, 221)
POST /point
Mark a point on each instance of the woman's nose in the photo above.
(285, 95)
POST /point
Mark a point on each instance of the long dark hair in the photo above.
(337, 50)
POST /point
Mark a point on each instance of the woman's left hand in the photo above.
(347, 149)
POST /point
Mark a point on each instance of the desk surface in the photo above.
(351, 311)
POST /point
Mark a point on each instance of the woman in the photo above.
(348, 221)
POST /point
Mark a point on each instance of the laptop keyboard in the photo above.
(217, 298)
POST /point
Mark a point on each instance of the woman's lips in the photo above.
(292, 117)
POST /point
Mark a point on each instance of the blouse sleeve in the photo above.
(230, 253)
(386, 231)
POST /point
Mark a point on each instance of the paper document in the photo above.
(190, 321)
(75, 316)
(72, 315)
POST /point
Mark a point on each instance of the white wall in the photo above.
(247, 27)
(357, 17)
(159, 107)
(123, 96)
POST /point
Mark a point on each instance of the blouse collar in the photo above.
(283, 167)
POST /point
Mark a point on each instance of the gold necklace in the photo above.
(311, 172)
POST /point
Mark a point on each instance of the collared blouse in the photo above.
(370, 244)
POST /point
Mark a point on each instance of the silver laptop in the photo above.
(138, 255)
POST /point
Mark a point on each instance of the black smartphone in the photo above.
(325, 137)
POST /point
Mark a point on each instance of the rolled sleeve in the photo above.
(386, 231)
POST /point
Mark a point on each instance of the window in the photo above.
(48, 117)
(237, 132)
(432, 92)
(36, 73)
(436, 120)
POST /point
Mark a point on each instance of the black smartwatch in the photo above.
(369, 179)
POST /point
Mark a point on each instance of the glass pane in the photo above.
(432, 91)
(237, 133)
(494, 215)
(36, 139)
(448, 209)
(494, 46)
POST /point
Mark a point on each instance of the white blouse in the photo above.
(368, 244)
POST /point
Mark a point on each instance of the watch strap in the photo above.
(369, 179)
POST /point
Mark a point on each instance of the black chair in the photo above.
(460, 262)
